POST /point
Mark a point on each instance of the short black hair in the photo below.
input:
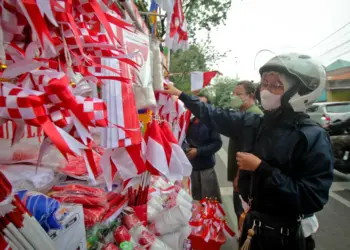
(206, 96)
(248, 86)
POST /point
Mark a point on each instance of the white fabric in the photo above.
(167, 5)
(125, 164)
(156, 156)
(310, 225)
(197, 79)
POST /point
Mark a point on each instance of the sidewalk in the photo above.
(231, 244)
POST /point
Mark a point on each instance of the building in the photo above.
(338, 81)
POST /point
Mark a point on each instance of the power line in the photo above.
(338, 56)
(330, 35)
(336, 47)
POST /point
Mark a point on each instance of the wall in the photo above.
(338, 95)
(323, 97)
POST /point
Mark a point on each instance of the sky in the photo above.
(281, 26)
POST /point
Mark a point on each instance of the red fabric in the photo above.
(131, 220)
(93, 215)
(213, 244)
(207, 76)
(141, 213)
(79, 188)
(76, 166)
(85, 200)
(154, 131)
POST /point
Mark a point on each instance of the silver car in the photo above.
(327, 112)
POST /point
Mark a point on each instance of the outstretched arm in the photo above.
(225, 121)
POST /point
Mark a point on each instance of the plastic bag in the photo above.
(93, 215)
(157, 68)
(110, 246)
(131, 220)
(42, 207)
(170, 220)
(154, 207)
(83, 199)
(176, 240)
(77, 188)
(121, 234)
(28, 177)
(144, 97)
(76, 167)
(146, 238)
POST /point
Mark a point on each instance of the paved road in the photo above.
(334, 219)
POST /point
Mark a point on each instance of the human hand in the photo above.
(247, 161)
(191, 153)
(170, 89)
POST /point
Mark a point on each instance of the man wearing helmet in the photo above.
(286, 166)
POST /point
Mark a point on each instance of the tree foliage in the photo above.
(223, 92)
(205, 14)
(201, 56)
(184, 62)
(199, 14)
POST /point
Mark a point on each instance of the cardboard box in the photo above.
(72, 234)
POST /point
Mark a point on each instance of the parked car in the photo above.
(325, 113)
(340, 139)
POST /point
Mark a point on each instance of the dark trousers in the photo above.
(310, 243)
(205, 184)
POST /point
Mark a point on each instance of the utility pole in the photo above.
(236, 58)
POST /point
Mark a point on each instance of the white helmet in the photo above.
(309, 78)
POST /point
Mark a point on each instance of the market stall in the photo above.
(90, 149)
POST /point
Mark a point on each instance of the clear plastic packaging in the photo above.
(176, 239)
(170, 220)
(29, 177)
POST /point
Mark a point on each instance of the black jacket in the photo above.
(296, 172)
(207, 142)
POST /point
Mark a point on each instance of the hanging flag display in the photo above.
(88, 141)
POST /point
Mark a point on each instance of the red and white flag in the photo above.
(179, 164)
(200, 80)
(127, 161)
(177, 35)
(158, 150)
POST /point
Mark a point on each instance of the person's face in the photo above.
(240, 96)
(273, 85)
(273, 82)
(203, 99)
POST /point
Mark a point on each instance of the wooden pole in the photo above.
(151, 14)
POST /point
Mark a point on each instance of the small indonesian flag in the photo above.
(200, 80)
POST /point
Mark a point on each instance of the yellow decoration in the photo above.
(73, 84)
(146, 118)
(4, 80)
(3, 66)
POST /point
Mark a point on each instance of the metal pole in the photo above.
(236, 67)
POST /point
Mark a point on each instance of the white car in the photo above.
(327, 112)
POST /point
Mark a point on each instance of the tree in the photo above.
(201, 56)
(184, 62)
(223, 92)
(205, 14)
